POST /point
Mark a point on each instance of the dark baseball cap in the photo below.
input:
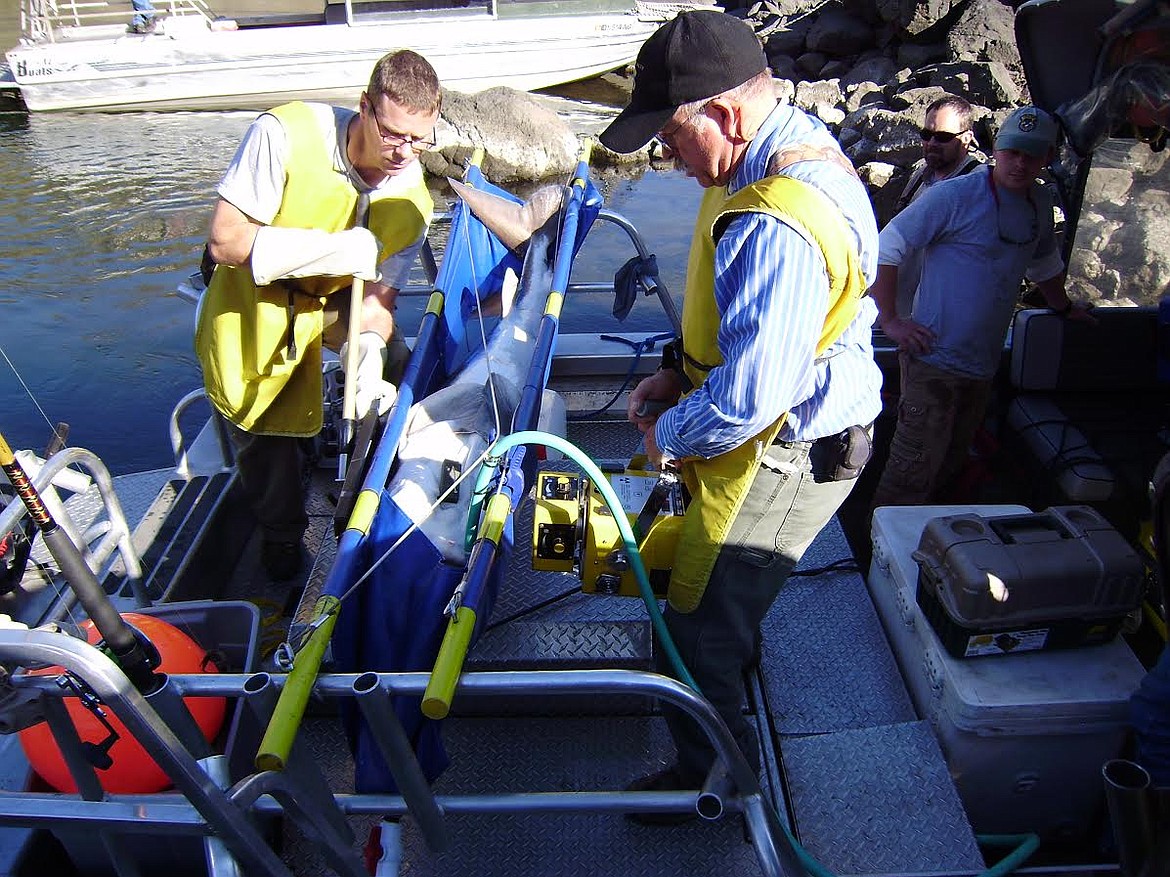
(696, 55)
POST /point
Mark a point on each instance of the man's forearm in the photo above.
(1054, 295)
(378, 306)
(885, 292)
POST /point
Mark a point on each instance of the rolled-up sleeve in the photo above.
(771, 292)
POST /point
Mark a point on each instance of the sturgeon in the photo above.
(451, 428)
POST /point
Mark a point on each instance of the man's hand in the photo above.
(654, 454)
(1080, 313)
(912, 337)
(648, 399)
(370, 387)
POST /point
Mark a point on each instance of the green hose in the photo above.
(1026, 843)
(570, 450)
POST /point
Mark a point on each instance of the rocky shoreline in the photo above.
(868, 69)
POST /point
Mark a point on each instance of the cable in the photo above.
(646, 345)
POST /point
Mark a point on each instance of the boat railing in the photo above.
(106, 532)
(51, 20)
(203, 805)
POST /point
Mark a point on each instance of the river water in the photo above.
(101, 216)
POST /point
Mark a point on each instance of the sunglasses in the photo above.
(939, 136)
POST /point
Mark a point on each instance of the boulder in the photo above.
(838, 34)
(522, 138)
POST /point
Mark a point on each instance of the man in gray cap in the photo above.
(771, 389)
(978, 237)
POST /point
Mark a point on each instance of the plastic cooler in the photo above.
(1024, 735)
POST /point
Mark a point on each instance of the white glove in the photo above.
(371, 389)
(309, 252)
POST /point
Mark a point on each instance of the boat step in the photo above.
(183, 518)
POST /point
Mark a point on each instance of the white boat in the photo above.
(81, 56)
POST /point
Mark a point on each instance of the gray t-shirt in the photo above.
(920, 181)
(254, 181)
(977, 244)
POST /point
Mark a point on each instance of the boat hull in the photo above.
(192, 68)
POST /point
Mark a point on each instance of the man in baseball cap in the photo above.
(1029, 130)
(767, 438)
(696, 55)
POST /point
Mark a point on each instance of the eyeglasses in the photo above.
(396, 139)
(939, 136)
(1033, 233)
(664, 138)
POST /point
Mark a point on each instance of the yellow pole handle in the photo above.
(440, 690)
(290, 708)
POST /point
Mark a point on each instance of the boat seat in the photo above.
(1087, 399)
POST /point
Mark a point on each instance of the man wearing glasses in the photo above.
(947, 143)
(979, 236)
(315, 196)
(773, 383)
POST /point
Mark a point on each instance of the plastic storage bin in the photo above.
(232, 629)
(1004, 584)
(1024, 735)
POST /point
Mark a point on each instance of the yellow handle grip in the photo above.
(290, 708)
(436, 701)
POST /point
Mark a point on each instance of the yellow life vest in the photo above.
(260, 347)
(719, 486)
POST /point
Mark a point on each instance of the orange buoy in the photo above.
(131, 769)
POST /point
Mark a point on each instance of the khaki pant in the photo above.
(938, 415)
(790, 500)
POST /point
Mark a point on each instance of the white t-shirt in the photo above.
(254, 181)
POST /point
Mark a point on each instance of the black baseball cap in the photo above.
(697, 54)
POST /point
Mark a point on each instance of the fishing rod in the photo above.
(121, 641)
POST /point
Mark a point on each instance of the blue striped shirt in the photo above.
(772, 292)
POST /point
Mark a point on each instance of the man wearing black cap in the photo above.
(772, 384)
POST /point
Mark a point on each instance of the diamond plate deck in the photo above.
(521, 755)
(878, 801)
(812, 639)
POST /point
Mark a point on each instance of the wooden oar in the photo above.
(349, 400)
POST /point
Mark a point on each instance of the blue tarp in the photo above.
(394, 622)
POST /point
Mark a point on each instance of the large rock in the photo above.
(986, 32)
(837, 33)
(912, 17)
(521, 137)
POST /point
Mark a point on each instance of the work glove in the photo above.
(371, 389)
(309, 252)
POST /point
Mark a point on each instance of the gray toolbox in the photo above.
(1055, 579)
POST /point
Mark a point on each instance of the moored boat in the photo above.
(82, 57)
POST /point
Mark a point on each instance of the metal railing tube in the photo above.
(716, 788)
(168, 703)
(72, 749)
(374, 701)
(636, 238)
(262, 693)
(1127, 796)
(112, 686)
(220, 862)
